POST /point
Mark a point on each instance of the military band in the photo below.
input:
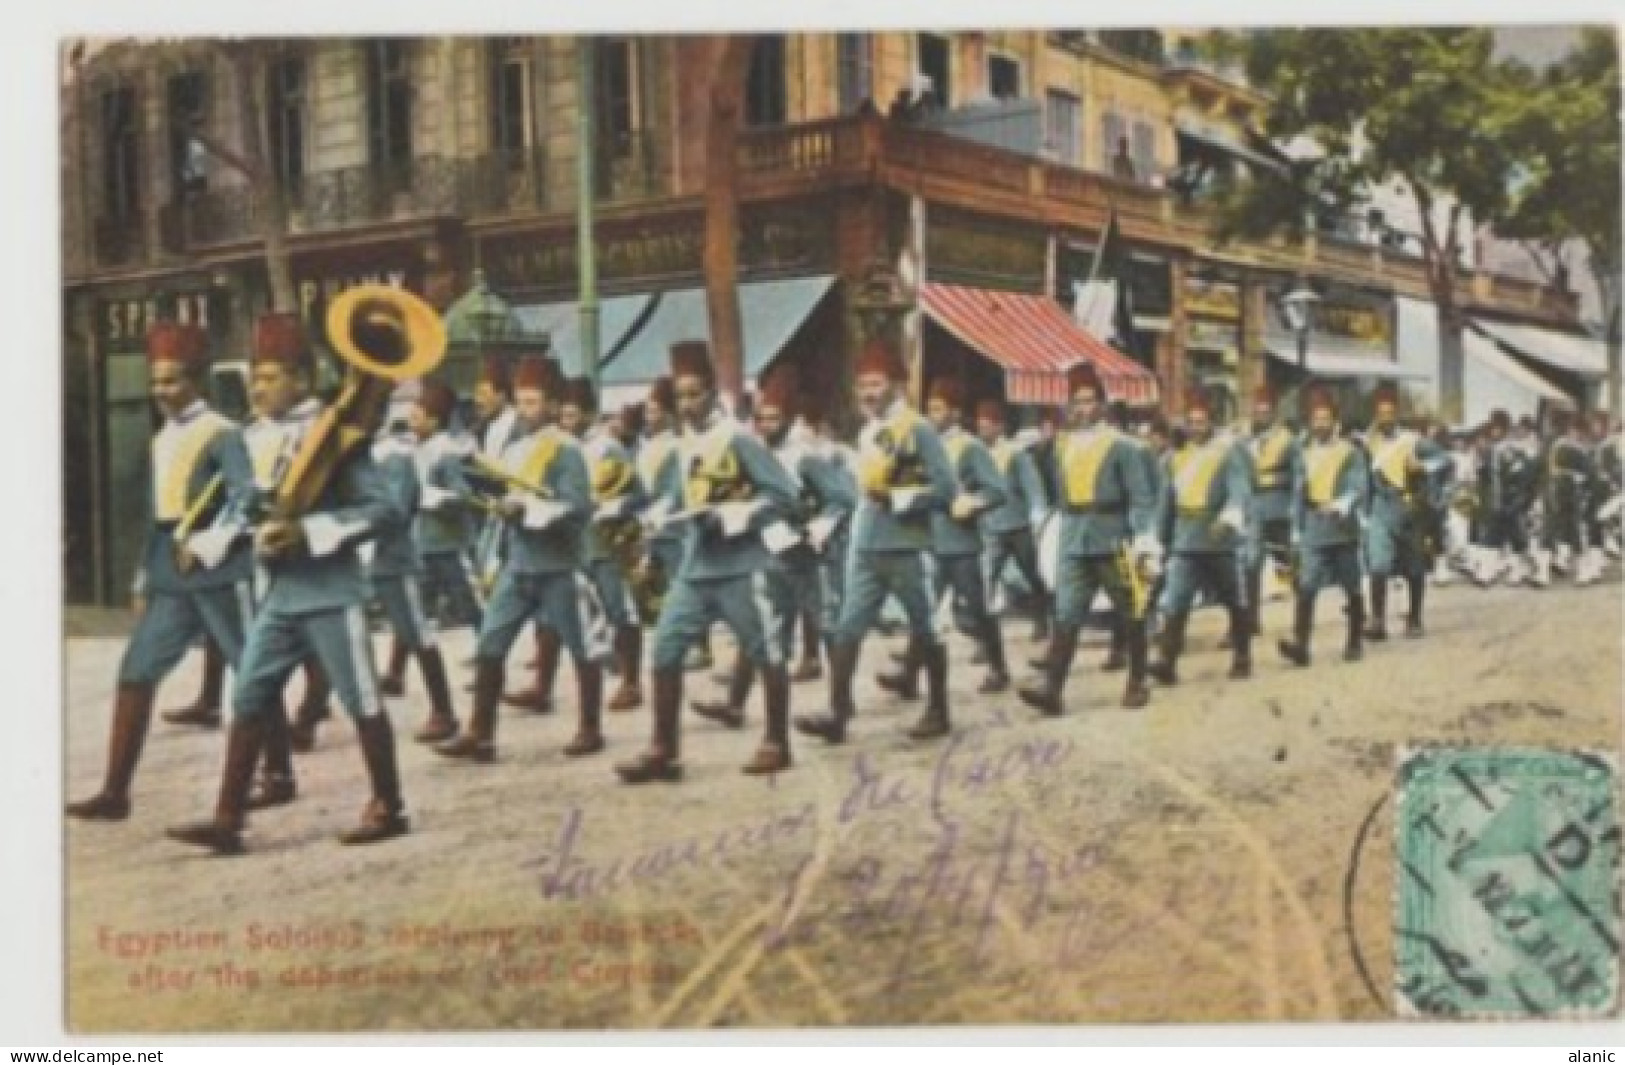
(667, 517)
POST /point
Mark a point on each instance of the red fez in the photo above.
(169, 341)
(663, 395)
(578, 391)
(494, 372)
(1320, 399)
(1197, 400)
(1083, 375)
(1385, 394)
(877, 357)
(437, 400)
(779, 390)
(537, 372)
(692, 358)
(949, 390)
(990, 410)
(280, 338)
(1265, 395)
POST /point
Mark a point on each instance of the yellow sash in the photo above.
(955, 446)
(718, 466)
(533, 471)
(1080, 466)
(1324, 464)
(263, 452)
(174, 481)
(1393, 458)
(1193, 470)
(875, 464)
(1270, 455)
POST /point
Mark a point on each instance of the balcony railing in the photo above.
(800, 149)
(513, 181)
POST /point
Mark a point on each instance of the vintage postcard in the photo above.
(817, 530)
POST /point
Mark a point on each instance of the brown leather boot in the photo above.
(1241, 643)
(393, 682)
(132, 715)
(1296, 650)
(1047, 697)
(1136, 693)
(810, 667)
(384, 816)
(773, 756)
(478, 742)
(1353, 650)
(934, 722)
(997, 680)
(1171, 644)
(905, 683)
(442, 723)
(1377, 630)
(276, 786)
(589, 737)
(312, 708)
(629, 655)
(661, 761)
(831, 727)
(539, 699)
(223, 833)
(730, 710)
(205, 709)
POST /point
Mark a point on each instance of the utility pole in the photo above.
(586, 261)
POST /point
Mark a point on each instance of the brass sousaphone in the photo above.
(385, 336)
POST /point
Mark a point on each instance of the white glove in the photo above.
(780, 537)
(819, 530)
(1231, 518)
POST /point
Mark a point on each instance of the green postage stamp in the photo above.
(1507, 884)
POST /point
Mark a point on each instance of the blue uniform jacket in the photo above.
(559, 546)
(326, 574)
(974, 470)
(206, 446)
(900, 446)
(444, 518)
(1106, 493)
(395, 551)
(1024, 489)
(1206, 496)
(1331, 486)
(725, 454)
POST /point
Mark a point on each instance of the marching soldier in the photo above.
(1202, 519)
(1010, 525)
(1507, 489)
(796, 575)
(443, 516)
(905, 477)
(617, 495)
(314, 596)
(198, 467)
(1274, 449)
(1330, 487)
(660, 474)
(545, 510)
(734, 492)
(1107, 506)
(1607, 458)
(1568, 484)
(498, 425)
(395, 571)
(1402, 534)
(956, 541)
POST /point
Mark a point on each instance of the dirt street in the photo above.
(1225, 855)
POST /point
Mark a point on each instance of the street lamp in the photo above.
(1298, 307)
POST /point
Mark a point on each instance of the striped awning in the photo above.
(1035, 341)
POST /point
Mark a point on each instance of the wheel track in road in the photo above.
(1314, 950)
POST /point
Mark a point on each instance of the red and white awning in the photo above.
(1036, 342)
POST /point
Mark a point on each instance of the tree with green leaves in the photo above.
(1429, 108)
(1569, 195)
